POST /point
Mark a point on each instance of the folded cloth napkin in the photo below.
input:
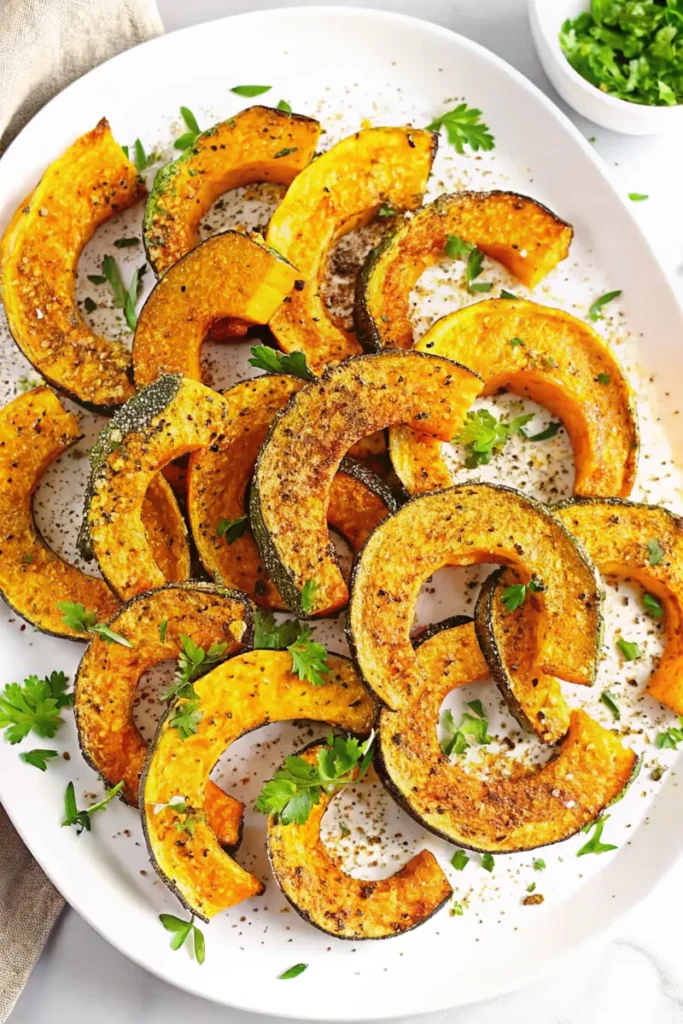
(45, 45)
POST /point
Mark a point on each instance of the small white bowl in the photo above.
(547, 17)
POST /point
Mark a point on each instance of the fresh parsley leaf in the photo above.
(539, 864)
(285, 152)
(126, 243)
(386, 210)
(33, 706)
(308, 592)
(284, 105)
(292, 972)
(472, 730)
(186, 717)
(515, 342)
(193, 662)
(456, 909)
(483, 436)
(97, 278)
(629, 649)
(75, 616)
(181, 930)
(187, 139)
(652, 606)
(464, 127)
(457, 248)
(531, 887)
(505, 294)
(250, 90)
(232, 529)
(475, 265)
(460, 860)
(672, 737)
(594, 844)
(609, 701)
(296, 788)
(603, 378)
(487, 861)
(269, 636)
(637, 197)
(81, 819)
(543, 435)
(163, 626)
(514, 596)
(38, 758)
(272, 361)
(655, 552)
(595, 312)
(309, 659)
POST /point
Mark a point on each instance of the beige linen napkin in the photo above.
(45, 45)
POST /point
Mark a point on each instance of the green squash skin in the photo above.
(365, 327)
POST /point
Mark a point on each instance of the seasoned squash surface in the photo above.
(496, 804)
(258, 144)
(227, 276)
(165, 530)
(341, 190)
(528, 239)
(294, 472)
(465, 525)
(561, 363)
(108, 675)
(312, 879)
(244, 693)
(39, 256)
(220, 478)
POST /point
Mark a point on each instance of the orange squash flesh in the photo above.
(104, 693)
(340, 191)
(238, 696)
(495, 804)
(312, 879)
(466, 525)
(227, 276)
(39, 256)
(165, 530)
(219, 480)
(527, 238)
(562, 364)
(307, 442)
(258, 144)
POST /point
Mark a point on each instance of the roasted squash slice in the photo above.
(466, 525)
(495, 804)
(104, 693)
(39, 256)
(240, 695)
(562, 364)
(227, 276)
(258, 144)
(527, 238)
(219, 480)
(341, 190)
(312, 879)
(165, 530)
(508, 640)
(169, 418)
(294, 472)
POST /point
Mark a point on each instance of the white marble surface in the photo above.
(638, 976)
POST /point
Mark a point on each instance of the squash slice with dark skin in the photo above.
(527, 238)
(244, 693)
(219, 481)
(467, 525)
(340, 191)
(496, 804)
(314, 882)
(306, 443)
(227, 276)
(39, 256)
(104, 692)
(258, 144)
(169, 418)
(561, 363)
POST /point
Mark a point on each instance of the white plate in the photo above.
(390, 69)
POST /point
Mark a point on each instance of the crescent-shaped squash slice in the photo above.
(165, 530)
(39, 256)
(227, 276)
(340, 191)
(104, 691)
(562, 364)
(527, 238)
(314, 882)
(258, 144)
(466, 525)
(496, 804)
(169, 418)
(240, 695)
(290, 492)
(219, 480)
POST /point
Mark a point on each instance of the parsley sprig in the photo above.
(38, 758)
(272, 361)
(193, 662)
(181, 931)
(595, 844)
(81, 819)
(309, 658)
(514, 596)
(672, 737)
(232, 529)
(464, 127)
(472, 730)
(76, 616)
(295, 789)
(33, 706)
(483, 436)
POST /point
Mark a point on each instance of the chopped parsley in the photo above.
(309, 658)
(33, 706)
(539, 864)
(250, 90)
(637, 197)
(655, 552)
(652, 606)
(514, 596)
(472, 730)
(386, 210)
(181, 931)
(232, 529)
(287, 151)
(487, 861)
(672, 737)
(629, 649)
(543, 435)
(38, 758)
(457, 248)
(80, 820)
(475, 265)
(595, 844)
(126, 243)
(603, 378)
(272, 361)
(76, 617)
(595, 311)
(460, 860)
(464, 127)
(515, 342)
(284, 106)
(308, 592)
(505, 294)
(483, 436)
(186, 718)
(163, 626)
(610, 702)
(292, 972)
